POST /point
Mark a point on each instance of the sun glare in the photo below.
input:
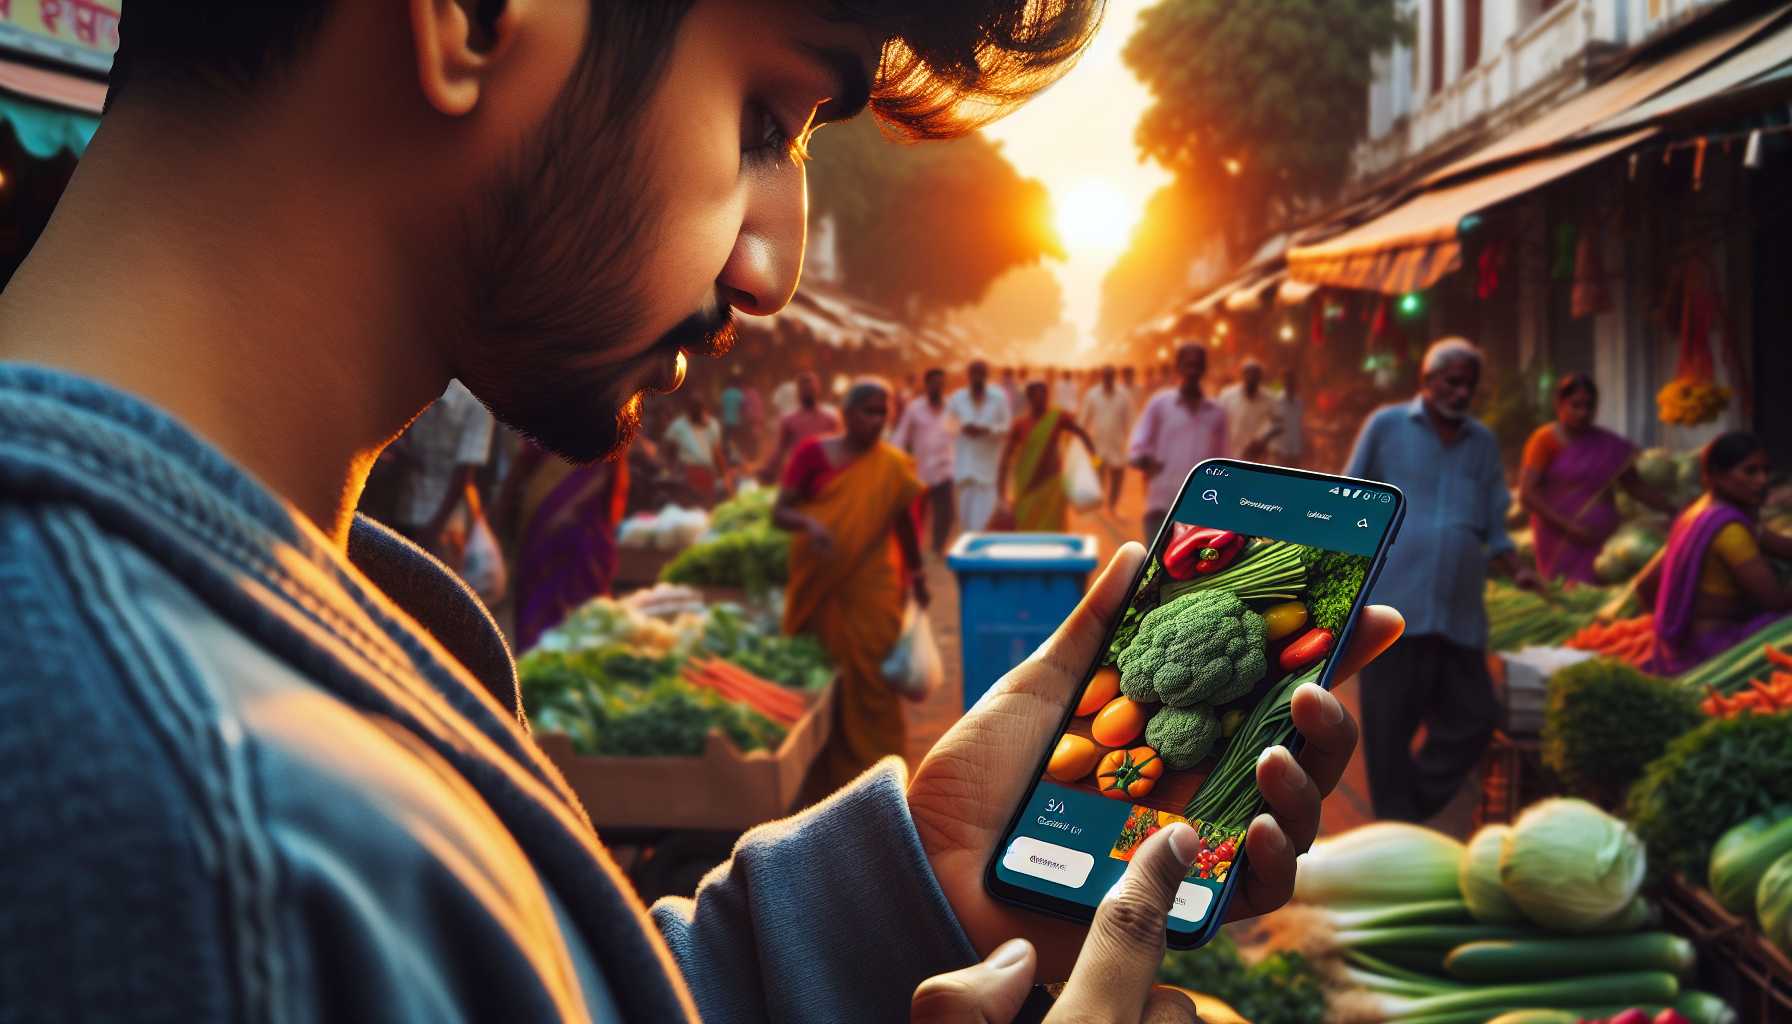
(1093, 216)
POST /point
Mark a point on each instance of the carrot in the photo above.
(1776, 657)
(771, 692)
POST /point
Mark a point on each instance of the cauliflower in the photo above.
(1204, 647)
(1182, 736)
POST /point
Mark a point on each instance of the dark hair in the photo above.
(946, 67)
(1192, 346)
(932, 371)
(1726, 451)
(1035, 387)
(1575, 383)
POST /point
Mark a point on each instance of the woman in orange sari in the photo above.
(854, 558)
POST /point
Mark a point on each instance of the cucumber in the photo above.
(1565, 957)
(1742, 855)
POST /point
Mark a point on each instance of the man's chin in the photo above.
(598, 435)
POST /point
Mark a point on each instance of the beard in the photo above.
(554, 252)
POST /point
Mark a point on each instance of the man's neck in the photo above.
(937, 401)
(297, 359)
(1191, 394)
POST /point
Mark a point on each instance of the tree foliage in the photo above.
(1019, 307)
(1256, 106)
(926, 228)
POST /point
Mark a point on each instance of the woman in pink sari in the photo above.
(1568, 482)
(1712, 586)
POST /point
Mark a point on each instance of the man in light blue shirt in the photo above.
(1448, 464)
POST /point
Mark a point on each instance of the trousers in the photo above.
(1443, 685)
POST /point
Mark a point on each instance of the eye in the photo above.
(765, 139)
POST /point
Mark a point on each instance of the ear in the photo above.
(457, 42)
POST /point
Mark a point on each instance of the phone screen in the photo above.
(1249, 589)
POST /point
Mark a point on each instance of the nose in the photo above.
(767, 260)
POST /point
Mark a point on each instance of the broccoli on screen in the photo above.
(1201, 648)
(1182, 736)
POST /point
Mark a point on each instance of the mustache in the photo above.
(709, 332)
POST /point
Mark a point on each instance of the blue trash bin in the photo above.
(1013, 591)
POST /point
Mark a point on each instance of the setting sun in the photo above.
(1093, 216)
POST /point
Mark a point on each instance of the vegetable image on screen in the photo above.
(1197, 681)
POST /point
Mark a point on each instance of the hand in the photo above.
(974, 430)
(1583, 536)
(1113, 977)
(1525, 578)
(821, 539)
(965, 790)
(1148, 465)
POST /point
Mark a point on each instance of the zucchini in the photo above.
(1530, 959)
(1742, 854)
(1704, 1008)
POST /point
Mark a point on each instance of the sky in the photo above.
(1077, 139)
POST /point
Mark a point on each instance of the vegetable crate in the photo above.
(638, 567)
(1512, 777)
(1735, 961)
(724, 789)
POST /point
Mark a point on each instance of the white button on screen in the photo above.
(1192, 902)
(1030, 856)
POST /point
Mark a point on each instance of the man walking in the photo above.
(1436, 675)
(694, 441)
(810, 418)
(1107, 416)
(924, 433)
(1178, 429)
(1288, 439)
(1250, 412)
(983, 421)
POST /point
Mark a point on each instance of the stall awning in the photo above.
(1761, 62)
(1249, 297)
(1293, 293)
(1411, 246)
(49, 111)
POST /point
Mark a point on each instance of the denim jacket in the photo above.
(244, 778)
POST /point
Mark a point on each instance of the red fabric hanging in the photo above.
(1590, 294)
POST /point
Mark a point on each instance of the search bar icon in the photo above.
(1211, 495)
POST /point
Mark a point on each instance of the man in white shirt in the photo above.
(1288, 443)
(925, 433)
(1065, 394)
(983, 420)
(1107, 415)
(444, 449)
(1251, 414)
(695, 440)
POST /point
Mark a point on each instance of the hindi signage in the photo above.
(79, 33)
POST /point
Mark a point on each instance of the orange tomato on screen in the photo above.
(1074, 758)
(1105, 686)
(1119, 723)
(1129, 774)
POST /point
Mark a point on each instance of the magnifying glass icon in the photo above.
(1211, 495)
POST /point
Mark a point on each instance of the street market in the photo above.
(626, 645)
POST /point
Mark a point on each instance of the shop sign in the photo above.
(79, 33)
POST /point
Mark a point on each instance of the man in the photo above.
(1449, 466)
(1066, 395)
(924, 433)
(1107, 415)
(1129, 379)
(694, 441)
(1288, 438)
(983, 421)
(737, 427)
(1035, 451)
(1177, 429)
(1250, 412)
(442, 453)
(305, 787)
(810, 418)
(1011, 386)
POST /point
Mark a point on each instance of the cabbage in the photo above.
(1480, 877)
(1570, 866)
(1773, 903)
(1656, 467)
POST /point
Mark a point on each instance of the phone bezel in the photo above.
(1185, 938)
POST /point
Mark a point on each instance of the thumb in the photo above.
(987, 993)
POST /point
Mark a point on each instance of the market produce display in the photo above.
(741, 549)
(1522, 618)
(1628, 640)
(1714, 777)
(1541, 920)
(1757, 657)
(1604, 721)
(1275, 988)
(654, 675)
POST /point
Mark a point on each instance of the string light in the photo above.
(1220, 328)
(1233, 167)
(1411, 304)
(1287, 332)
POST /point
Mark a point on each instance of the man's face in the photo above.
(808, 389)
(936, 385)
(611, 247)
(979, 376)
(1450, 388)
(1191, 365)
(1107, 376)
(1253, 378)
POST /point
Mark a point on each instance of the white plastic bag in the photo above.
(1081, 484)
(482, 566)
(912, 668)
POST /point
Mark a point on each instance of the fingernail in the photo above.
(1008, 954)
(1184, 843)
(1278, 837)
(1333, 710)
(1268, 752)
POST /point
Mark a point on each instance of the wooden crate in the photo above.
(724, 789)
(1736, 961)
(1512, 777)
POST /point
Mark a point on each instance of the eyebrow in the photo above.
(852, 84)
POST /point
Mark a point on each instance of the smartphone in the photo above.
(1250, 589)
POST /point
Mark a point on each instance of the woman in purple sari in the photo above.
(565, 519)
(1568, 482)
(1712, 586)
